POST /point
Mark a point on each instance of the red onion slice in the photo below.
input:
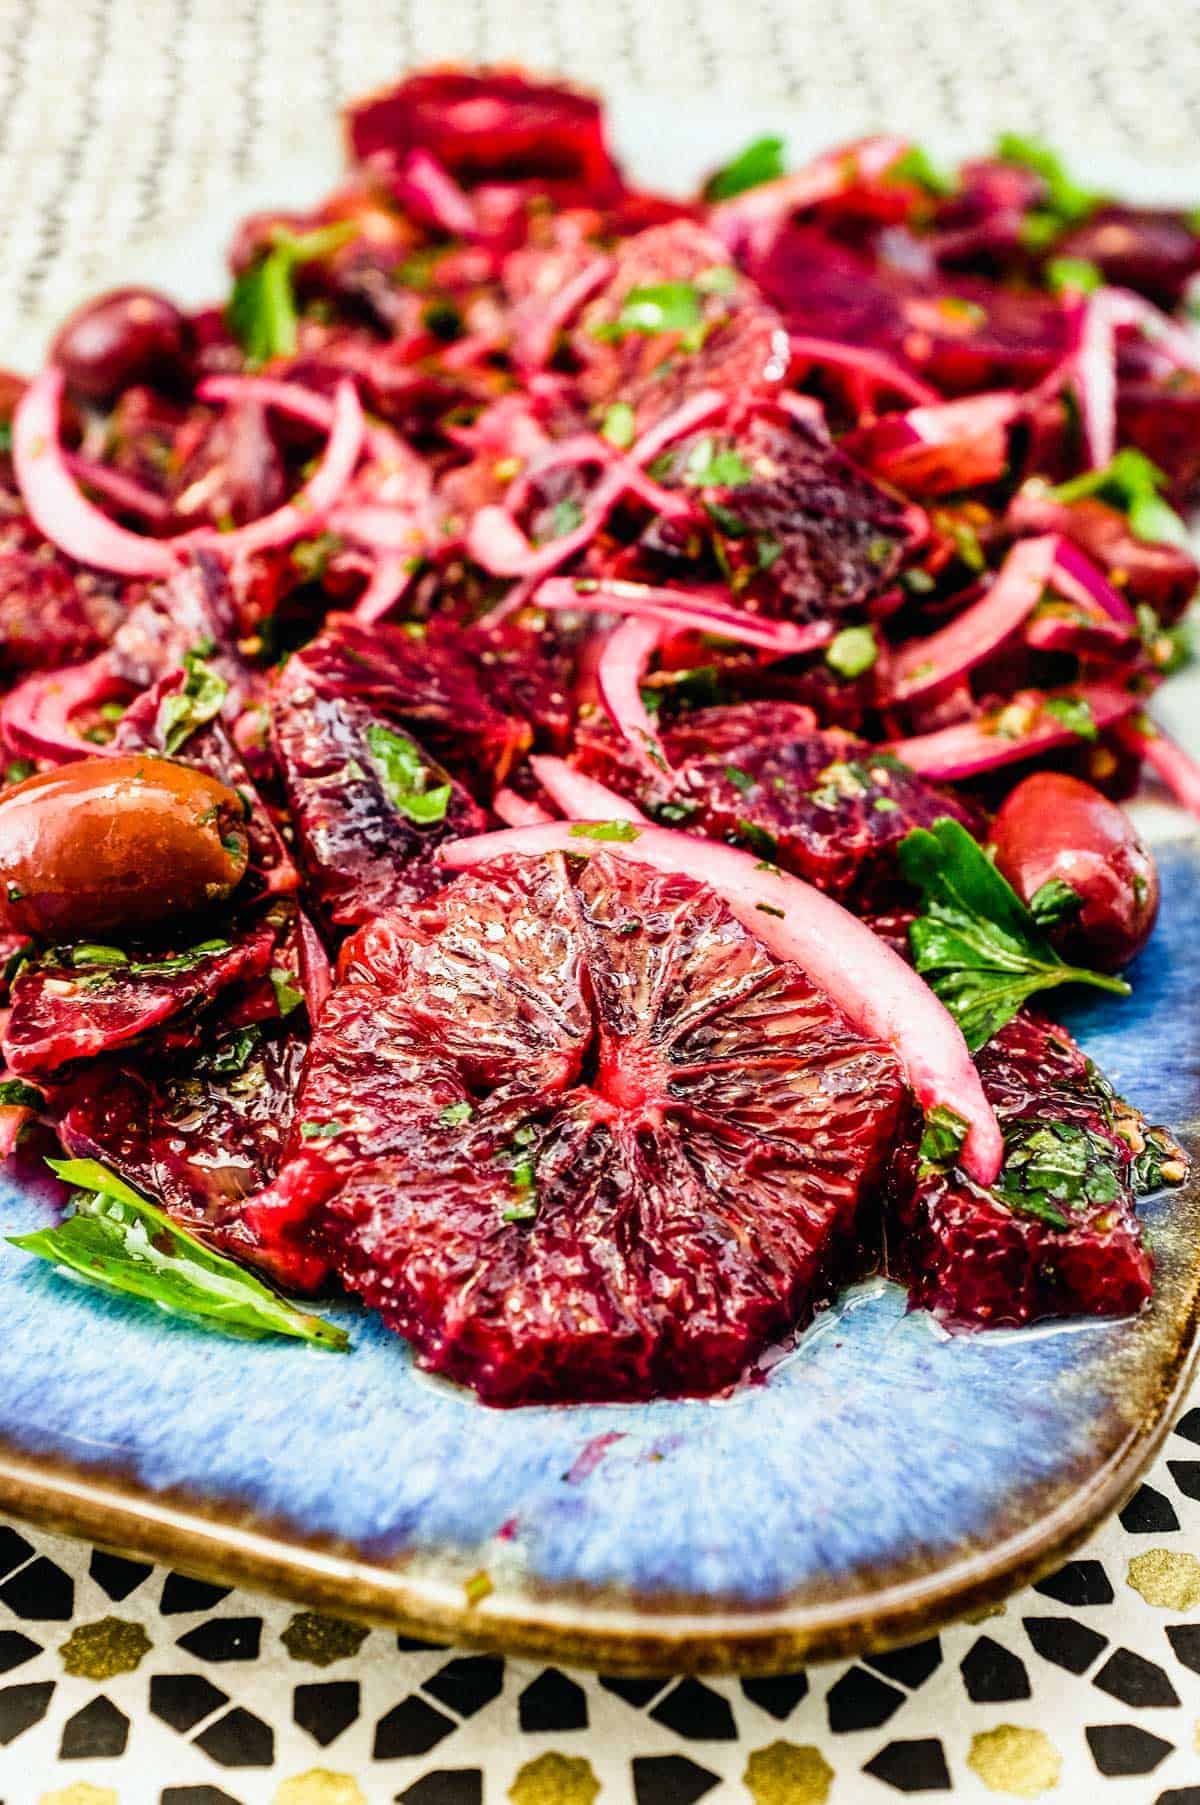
(122, 491)
(1079, 580)
(305, 405)
(426, 189)
(389, 580)
(972, 747)
(619, 674)
(316, 978)
(580, 797)
(538, 323)
(937, 450)
(1176, 768)
(518, 811)
(35, 717)
(704, 610)
(870, 983)
(1096, 378)
(877, 370)
(926, 664)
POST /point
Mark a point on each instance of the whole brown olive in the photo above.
(128, 335)
(115, 845)
(1055, 830)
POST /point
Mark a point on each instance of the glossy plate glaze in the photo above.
(873, 1480)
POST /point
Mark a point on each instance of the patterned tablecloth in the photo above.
(126, 1685)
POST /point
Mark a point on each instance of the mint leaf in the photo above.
(1055, 901)
(199, 701)
(1130, 482)
(976, 943)
(761, 161)
(710, 466)
(1052, 1168)
(262, 313)
(119, 1240)
(404, 777)
(941, 1140)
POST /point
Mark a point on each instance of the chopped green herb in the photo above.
(199, 701)
(287, 996)
(320, 1131)
(1075, 713)
(741, 780)
(852, 651)
(604, 830)
(117, 1239)
(262, 312)
(1053, 1168)
(16, 1094)
(729, 523)
(619, 425)
(761, 161)
(710, 466)
(311, 556)
(175, 963)
(87, 954)
(1066, 201)
(232, 1055)
(674, 813)
(767, 550)
(1055, 901)
(941, 1140)
(885, 805)
(18, 770)
(1170, 648)
(662, 307)
(720, 280)
(404, 775)
(761, 843)
(976, 942)
(769, 909)
(917, 166)
(565, 516)
(1130, 482)
(455, 1114)
(916, 581)
(1073, 273)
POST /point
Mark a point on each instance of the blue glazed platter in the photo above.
(871, 1480)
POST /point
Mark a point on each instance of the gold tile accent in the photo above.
(1020, 1763)
(1167, 1579)
(319, 1786)
(788, 1773)
(555, 1779)
(322, 1640)
(80, 1792)
(99, 1650)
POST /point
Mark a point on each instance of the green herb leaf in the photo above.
(661, 307)
(721, 279)
(455, 1114)
(1075, 713)
(852, 651)
(1170, 648)
(941, 1140)
(1055, 901)
(311, 556)
(320, 1131)
(232, 1055)
(619, 425)
(287, 997)
(757, 840)
(711, 466)
(87, 954)
(741, 780)
(174, 963)
(18, 770)
(1076, 273)
(404, 776)
(262, 312)
(1052, 1168)
(198, 702)
(16, 1094)
(118, 1240)
(1065, 199)
(917, 166)
(761, 161)
(977, 944)
(1130, 482)
(565, 516)
(604, 830)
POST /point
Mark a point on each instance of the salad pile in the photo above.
(562, 744)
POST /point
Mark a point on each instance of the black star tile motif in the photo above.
(1189, 1424)
(14, 1550)
(1179, 1795)
(410, 1645)
(1125, 1749)
(859, 1701)
(670, 1780)
(1067, 1643)
(777, 1693)
(446, 1786)
(117, 1576)
(15, 1650)
(326, 1708)
(1185, 1641)
(1186, 1474)
(184, 1699)
(23, 1706)
(1078, 1583)
(412, 1727)
(467, 1684)
(99, 1730)
(553, 1702)
(196, 1795)
(635, 1692)
(1135, 1681)
(918, 1766)
(224, 1639)
(909, 1666)
(40, 1592)
(992, 1674)
(239, 1739)
(694, 1710)
(180, 1593)
(1148, 1513)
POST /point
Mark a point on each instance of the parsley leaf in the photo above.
(761, 161)
(1130, 482)
(852, 651)
(118, 1240)
(262, 312)
(1075, 713)
(1076, 273)
(198, 702)
(404, 776)
(977, 944)
(1065, 199)
(917, 166)
(604, 830)
(710, 466)
(661, 307)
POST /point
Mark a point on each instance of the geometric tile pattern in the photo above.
(154, 1688)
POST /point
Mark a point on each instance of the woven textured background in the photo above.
(120, 124)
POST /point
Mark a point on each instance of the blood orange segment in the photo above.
(581, 1135)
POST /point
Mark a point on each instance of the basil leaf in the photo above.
(941, 1140)
(117, 1239)
(761, 161)
(976, 943)
(404, 776)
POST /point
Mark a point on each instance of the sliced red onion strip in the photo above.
(378, 526)
(123, 491)
(35, 717)
(870, 983)
(1176, 768)
(684, 608)
(518, 811)
(972, 747)
(925, 664)
(1096, 378)
(293, 399)
(389, 580)
(878, 369)
(533, 345)
(1079, 580)
(424, 187)
(1177, 343)
(57, 506)
(581, 797)
(698, 410)
(627, 653)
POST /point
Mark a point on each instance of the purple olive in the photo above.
(1074, 858)
(129, 335)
